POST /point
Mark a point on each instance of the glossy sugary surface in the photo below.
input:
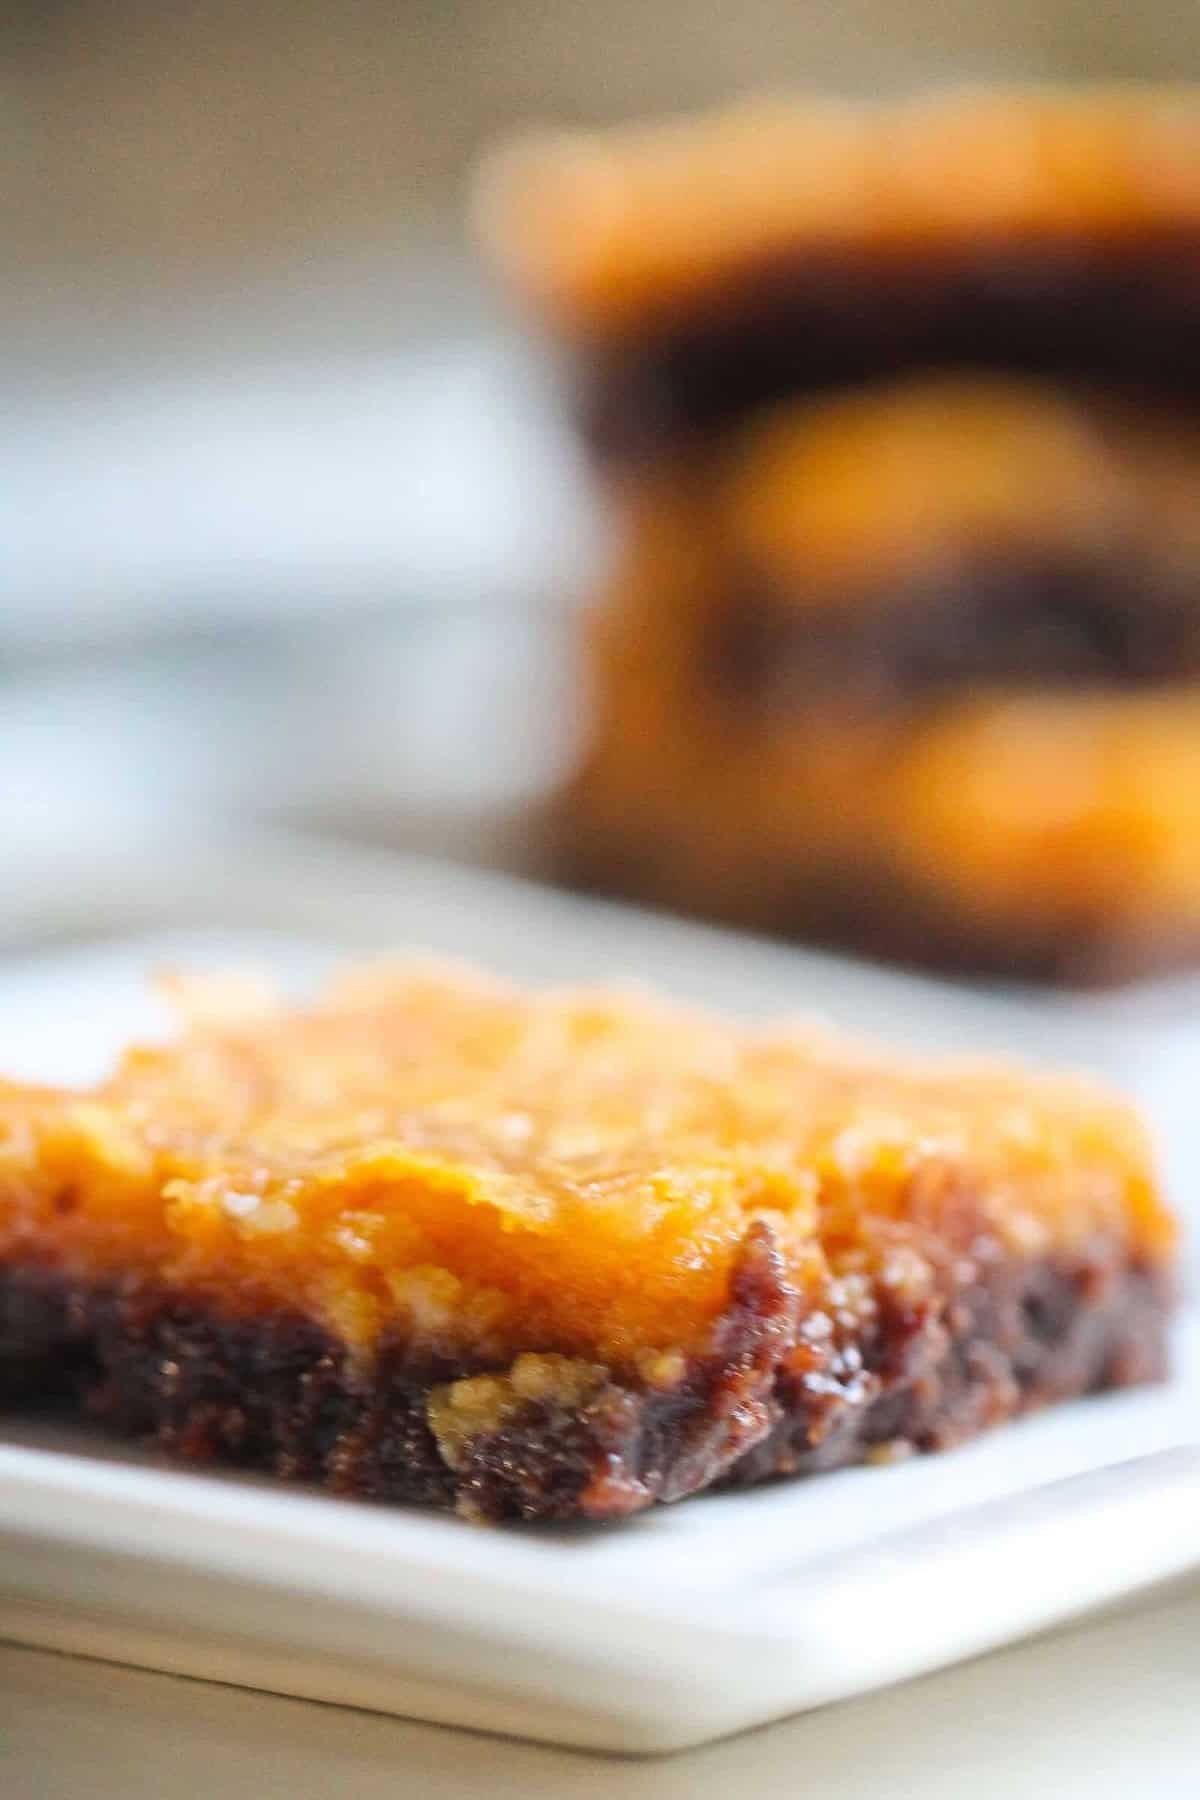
(480, 1172)
(615, 231)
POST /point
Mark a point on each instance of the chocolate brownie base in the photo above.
(870, 1377)
(1120, 313)
(1015, 1337)
(998, 620)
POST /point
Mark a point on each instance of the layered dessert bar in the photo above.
(566, 1254)
(897, 410)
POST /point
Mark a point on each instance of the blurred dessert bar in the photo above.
(431, 1238)
(898, 414)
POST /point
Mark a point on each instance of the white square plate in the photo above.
(688, 1622)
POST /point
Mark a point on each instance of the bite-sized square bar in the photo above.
(563, 1254)
(899, 414)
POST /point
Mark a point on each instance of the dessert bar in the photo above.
(562, 1255)
(897, 412)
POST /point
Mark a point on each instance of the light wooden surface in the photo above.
(1106, 1711)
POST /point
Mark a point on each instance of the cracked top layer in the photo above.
(425, 1153)
(615, 232)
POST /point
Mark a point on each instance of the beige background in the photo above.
(239, 131)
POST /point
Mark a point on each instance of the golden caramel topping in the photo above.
(430, 1154)
(830, 500)
(608, 230)
(1086, 805)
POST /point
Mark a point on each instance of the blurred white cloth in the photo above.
(440, 714)
(221, 470)
(310, 545)
(263, 493)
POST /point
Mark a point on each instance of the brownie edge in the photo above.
(771, 1396)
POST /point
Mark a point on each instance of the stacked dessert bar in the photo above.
(898, 414)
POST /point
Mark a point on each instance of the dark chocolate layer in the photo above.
(1016, 1336)
(280, 1394)
(1122, 313)
(996, 618)
(777, 1394)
